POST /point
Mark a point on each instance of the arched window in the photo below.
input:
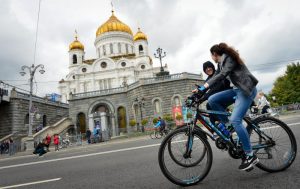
(157, 106)
(74, 59)
(104, 50)
(141, 48)
(136, 111)
(111, 48)
(119, 47)
(126, 46)
(177, 101)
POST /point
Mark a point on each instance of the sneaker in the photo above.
(248, 162)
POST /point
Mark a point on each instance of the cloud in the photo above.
(264, 32)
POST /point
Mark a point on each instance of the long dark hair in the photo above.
(222, 48)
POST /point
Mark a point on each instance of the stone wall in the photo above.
(13, 114)
(165, 90)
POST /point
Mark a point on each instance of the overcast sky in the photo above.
(266, 34)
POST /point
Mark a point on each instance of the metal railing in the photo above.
(38, 99)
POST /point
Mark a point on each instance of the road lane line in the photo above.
(30, 183)
(79, 156)
(93, 154)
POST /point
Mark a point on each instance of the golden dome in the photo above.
(76, 44)
(113, 24)
(140, 36)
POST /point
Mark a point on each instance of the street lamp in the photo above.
(160, 54)
(31, 71)
(141, 104)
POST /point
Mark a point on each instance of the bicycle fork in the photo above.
(189, 143)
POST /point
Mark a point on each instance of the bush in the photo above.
(132, 122)
(168, 117)
(144, 122)
(179, 117)
(189, 115)
(155, 120)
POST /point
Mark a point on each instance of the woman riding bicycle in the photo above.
(244, 91)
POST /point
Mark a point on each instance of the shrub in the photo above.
(155, 120)
(168, 117)
(144, 122)
(179, 117)
(132, 122)
(189, 115)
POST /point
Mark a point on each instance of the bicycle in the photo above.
(158, 134)
(185, 155)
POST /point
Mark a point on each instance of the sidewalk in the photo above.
(113, 140)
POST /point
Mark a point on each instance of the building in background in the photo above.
(120, 84)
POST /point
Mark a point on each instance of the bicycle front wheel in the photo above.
(152, 135)
(173, 147)
(281, 142)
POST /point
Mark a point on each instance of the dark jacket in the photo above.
(239, 75)
(218, 87)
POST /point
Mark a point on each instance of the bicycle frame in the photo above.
(202, 116)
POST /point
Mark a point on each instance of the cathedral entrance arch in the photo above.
(102, 115)
(122, 119)
(81, 122)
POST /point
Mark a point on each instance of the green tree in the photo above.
(286, 88)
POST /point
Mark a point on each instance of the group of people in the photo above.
(43, 146)
(94, 137)
(7, 147)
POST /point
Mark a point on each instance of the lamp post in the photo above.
(141, 104)
(160, 55)
(32, 69)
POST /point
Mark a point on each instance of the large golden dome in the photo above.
(113, 24)
(140, 35)
(76, 44)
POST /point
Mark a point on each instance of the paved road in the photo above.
(133, 164)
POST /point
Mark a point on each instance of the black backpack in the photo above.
(162, 123)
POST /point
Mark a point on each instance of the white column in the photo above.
(103, 121)
(91, 122)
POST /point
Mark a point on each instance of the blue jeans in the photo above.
(221, 100)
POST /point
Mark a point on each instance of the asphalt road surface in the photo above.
(133, 163)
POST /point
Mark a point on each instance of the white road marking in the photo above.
(79, 156)
(94, 154)
(30, 183)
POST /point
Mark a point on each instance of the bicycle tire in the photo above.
(152, 135)
(289, 155)
(158, 135)
(170, 174)
(184, 164)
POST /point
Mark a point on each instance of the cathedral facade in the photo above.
(120, 84)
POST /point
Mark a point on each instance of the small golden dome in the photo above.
(140, 35)
(76, 44)
(113, 24)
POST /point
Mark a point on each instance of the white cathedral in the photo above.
(122, 59)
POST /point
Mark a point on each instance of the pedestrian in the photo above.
(263, 103)
(2, 147)
(40, 149)
(88, 135)
(48, 140)
(95, 134)
(56, 142)
(11, 147)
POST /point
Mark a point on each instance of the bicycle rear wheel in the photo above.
(158, 134)
(180, 173)
(152, 135)
(281, 154)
